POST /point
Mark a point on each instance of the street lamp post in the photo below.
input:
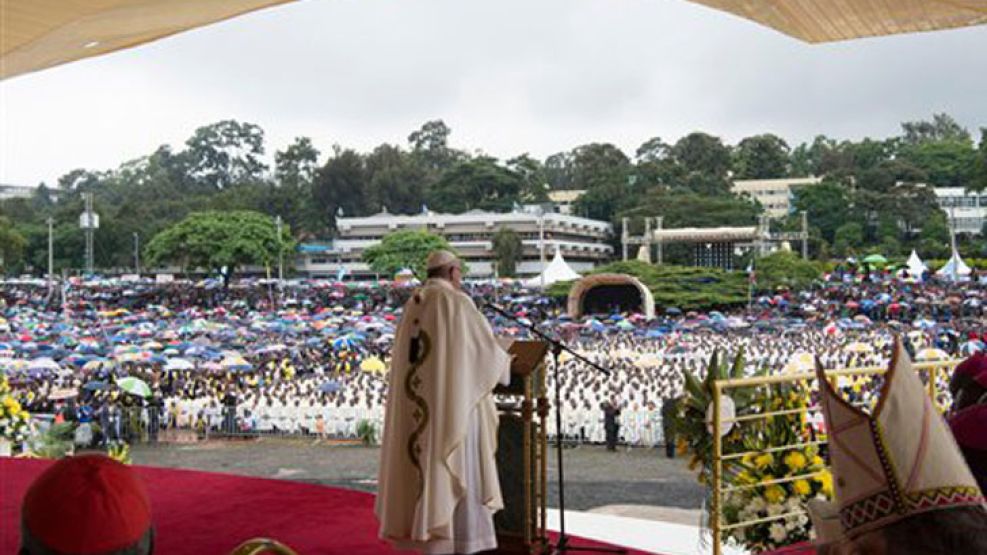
(51, 255)
(541, 245)
(137, 253)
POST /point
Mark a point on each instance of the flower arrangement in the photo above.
(119, 452)
(776, 483)
(14, 420)
(781, 470)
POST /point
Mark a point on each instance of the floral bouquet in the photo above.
(776, 483)
(14, 420)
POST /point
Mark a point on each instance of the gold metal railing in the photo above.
(932, 372)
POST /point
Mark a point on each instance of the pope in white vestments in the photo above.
(438, 488)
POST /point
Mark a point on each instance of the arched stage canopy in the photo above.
(602, 292)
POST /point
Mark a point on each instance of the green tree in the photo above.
(396, 180)
(341, 186)
(404, 249)
(12, 245)
(702, 153)
(848, 237)
(978, 181)
(219, 242)
(225, 153)
(761, 157)
(478, 183)
(430, 145)
(605, 172)
(942, 128)
(691, 210)
(534, 182)
(296, 165)
(507, 248)
(785, 268)
(827, 206)
(559, 171)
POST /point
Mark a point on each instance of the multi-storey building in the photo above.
(583, 242)
(775, 195)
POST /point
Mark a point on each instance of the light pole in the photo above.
(137, 254)
(541, 245)
(51, 254)
(277, 220)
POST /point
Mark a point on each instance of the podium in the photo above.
(521, 451)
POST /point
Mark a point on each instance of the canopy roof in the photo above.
(557, 270)
(38, 34)
(954, 268)
(915, 265)
(833, 20)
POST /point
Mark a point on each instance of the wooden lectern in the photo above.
(521, 451)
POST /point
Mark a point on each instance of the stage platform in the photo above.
(204, 513)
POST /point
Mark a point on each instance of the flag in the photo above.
(751, 274)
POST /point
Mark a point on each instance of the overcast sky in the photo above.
(508, 76)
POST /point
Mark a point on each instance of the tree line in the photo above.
(872, 196)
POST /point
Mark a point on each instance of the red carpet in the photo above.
(202, 513)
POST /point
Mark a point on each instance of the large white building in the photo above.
(15, 191)
(966, 210)
(583, 242)
(775, 195)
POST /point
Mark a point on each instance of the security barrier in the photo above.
(934, 374)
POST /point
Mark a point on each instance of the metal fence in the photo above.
(934, 374)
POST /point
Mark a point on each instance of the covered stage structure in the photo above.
(714, 247)
(608, 293)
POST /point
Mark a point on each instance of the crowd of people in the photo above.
(311, 357)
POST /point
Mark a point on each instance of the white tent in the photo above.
(915, 265)
(557, 270)
(955, 268)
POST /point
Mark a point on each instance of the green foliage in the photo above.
(12, 245)
(404, 249)
(684, 209)
(507, 248)
(761, 157)
(56, 442)
(367, 432)
(213, 240)
(684, 287)
(827, 207)
(691, 424)
(785, 269)
(848, 238)
(479, 183)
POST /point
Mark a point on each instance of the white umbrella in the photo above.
(178, 364)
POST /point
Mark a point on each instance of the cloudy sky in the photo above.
(508, 77)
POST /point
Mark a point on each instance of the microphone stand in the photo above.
(557, 347)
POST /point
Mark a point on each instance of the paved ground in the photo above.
(635, 482)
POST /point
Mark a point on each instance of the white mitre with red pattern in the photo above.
(897, 462)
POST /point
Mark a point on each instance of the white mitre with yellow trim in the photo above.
(899, 461)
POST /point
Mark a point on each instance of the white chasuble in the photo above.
(437, 486)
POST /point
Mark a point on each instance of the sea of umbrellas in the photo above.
(100, 330)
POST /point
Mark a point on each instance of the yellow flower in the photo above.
(801, 487)
(795, 461)
(745, 478)
(817, 460)
(764, 461)
(825, 479)
(748, 459)
(774, 494)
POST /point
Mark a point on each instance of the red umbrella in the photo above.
(852, 304)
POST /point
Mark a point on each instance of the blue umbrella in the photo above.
(96, 386)
(329, 387)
